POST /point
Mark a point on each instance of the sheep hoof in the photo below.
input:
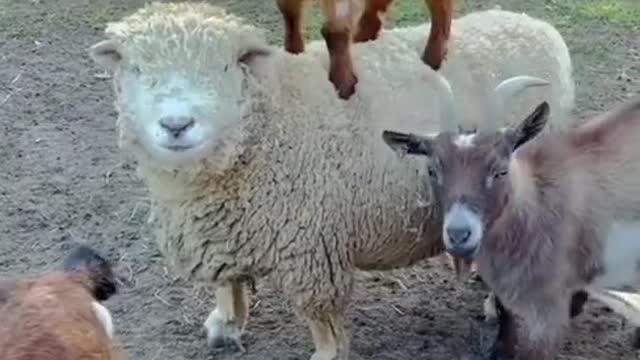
(490, 310)
(324, 355)
(498, 353)
(222, 332)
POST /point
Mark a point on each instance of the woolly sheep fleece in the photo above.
(284, 179)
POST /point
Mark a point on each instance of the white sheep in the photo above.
(256, 169)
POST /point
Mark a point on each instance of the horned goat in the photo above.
(543, 216)
(359, 21)
(256, 170)
(58, 315)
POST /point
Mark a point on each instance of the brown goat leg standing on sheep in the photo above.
(435, 51)
(293, 15)
(370, 22)
(336, 32)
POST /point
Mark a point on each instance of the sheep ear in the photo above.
(252, 55)
(408, 143)
(530, 127)
(107, 53)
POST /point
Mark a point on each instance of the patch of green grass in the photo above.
(623, 13)
(407, 12)
(402, 12)
(313, 22)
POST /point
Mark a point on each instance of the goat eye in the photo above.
(432, 172)
(500, 174)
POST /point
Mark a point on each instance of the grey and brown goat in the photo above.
(547, 217)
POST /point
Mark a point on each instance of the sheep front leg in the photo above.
(226, 323)
(336, 32)
(321, 299)
(292, 13)
(329, 337)
(436, 49)
(370, 23)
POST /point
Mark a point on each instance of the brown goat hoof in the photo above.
(368, 28)
(433, 62)
(345, 84)
(294, 45)
(434, 55)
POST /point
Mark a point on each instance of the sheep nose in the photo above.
(176, 125)
(458, 235)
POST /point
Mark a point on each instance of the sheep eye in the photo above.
(136, 70)
(226, 67)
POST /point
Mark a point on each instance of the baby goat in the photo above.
(542, 216)
(58, 316)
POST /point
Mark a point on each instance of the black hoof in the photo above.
(498, 353)
(636, 338)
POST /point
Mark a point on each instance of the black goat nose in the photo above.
(176, 125)
(458, 235)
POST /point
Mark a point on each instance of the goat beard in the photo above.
(465, 268)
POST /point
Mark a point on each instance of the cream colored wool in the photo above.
(294, 184)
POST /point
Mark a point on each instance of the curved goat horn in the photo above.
(448, 120)
(507, 90)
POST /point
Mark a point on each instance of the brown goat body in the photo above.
(57, 316)
(547, 217)
(342, 26)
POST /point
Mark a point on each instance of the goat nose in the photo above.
(176, 125)
(458, 235)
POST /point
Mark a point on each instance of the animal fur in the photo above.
(544, 216)
(58, 315)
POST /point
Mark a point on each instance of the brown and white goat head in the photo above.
(467, 169)
(59, 315)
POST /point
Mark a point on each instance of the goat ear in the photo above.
(107, 53)
(530, 127)
(407, 143)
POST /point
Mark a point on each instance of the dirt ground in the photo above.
(63, 181)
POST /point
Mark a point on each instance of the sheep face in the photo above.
(469, 175)
(180, 80)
